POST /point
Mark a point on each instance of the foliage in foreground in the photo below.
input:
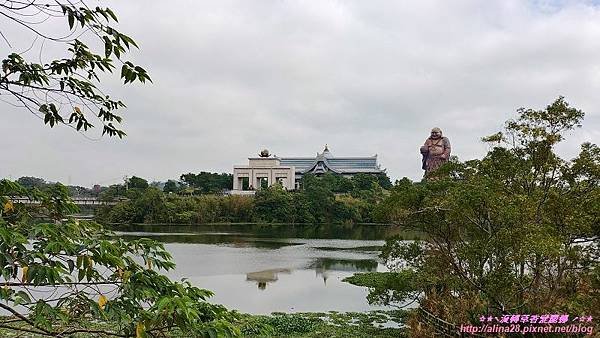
(65, 90)
(517, 231)
(331, 324)
(372, 324)
(63, 277)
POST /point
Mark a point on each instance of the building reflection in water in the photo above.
(323, 266)
(262, 278)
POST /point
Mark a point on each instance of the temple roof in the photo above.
(325, 161)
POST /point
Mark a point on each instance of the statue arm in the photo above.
(425, 147)
(447, 148)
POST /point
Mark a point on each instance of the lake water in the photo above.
(266, 268)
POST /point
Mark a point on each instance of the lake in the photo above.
(261, 269)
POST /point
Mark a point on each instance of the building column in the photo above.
(236, 180)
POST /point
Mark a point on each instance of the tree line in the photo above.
(327, 199)
(200, 198)
(191, 184)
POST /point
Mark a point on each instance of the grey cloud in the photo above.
(233, 77)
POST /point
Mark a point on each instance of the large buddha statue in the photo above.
(435, 151)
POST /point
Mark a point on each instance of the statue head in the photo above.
(436, 133)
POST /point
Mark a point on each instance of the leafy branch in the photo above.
(72, 277)
(64, 91)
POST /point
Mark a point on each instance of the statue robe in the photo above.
(435, 153)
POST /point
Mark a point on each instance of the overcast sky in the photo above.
(365, 77)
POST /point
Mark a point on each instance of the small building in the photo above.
(262, 172)
(265, 170)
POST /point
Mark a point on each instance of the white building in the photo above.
(265, 170)
(262, 172)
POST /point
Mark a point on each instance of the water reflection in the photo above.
(314, 231)
(324, 266)
(234, 240)
(351, 265)
(266, 276)
(262, 269)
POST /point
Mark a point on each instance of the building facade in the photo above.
(262, 172)
(265, 170)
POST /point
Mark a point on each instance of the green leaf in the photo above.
(102, 12)
(71, 265)
(71, 18)
(117, 51)
(108, 47)
(21, 297)
(112, 14)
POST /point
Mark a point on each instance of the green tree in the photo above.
(32, 182)
(237, 208)
(320, 198)
(123, 212)
(514, 232)
(302, 209)
(113, 192)
(137, 183)
(208, 209)
(172, 187)
(367, 188)
(274, 205)
(75, 190)
(68, 277)
(384, 181)
(337, 183)
(350, 209)
(150, 207)
(208, 183)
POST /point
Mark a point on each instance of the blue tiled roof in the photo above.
(366, 162)
(301, 163)
(325, 161)
(339, 164)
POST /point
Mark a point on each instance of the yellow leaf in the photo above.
(8, 206)
(140, 330)
(102, 302)
(24, 276)
(149, 263)
(78, 110)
